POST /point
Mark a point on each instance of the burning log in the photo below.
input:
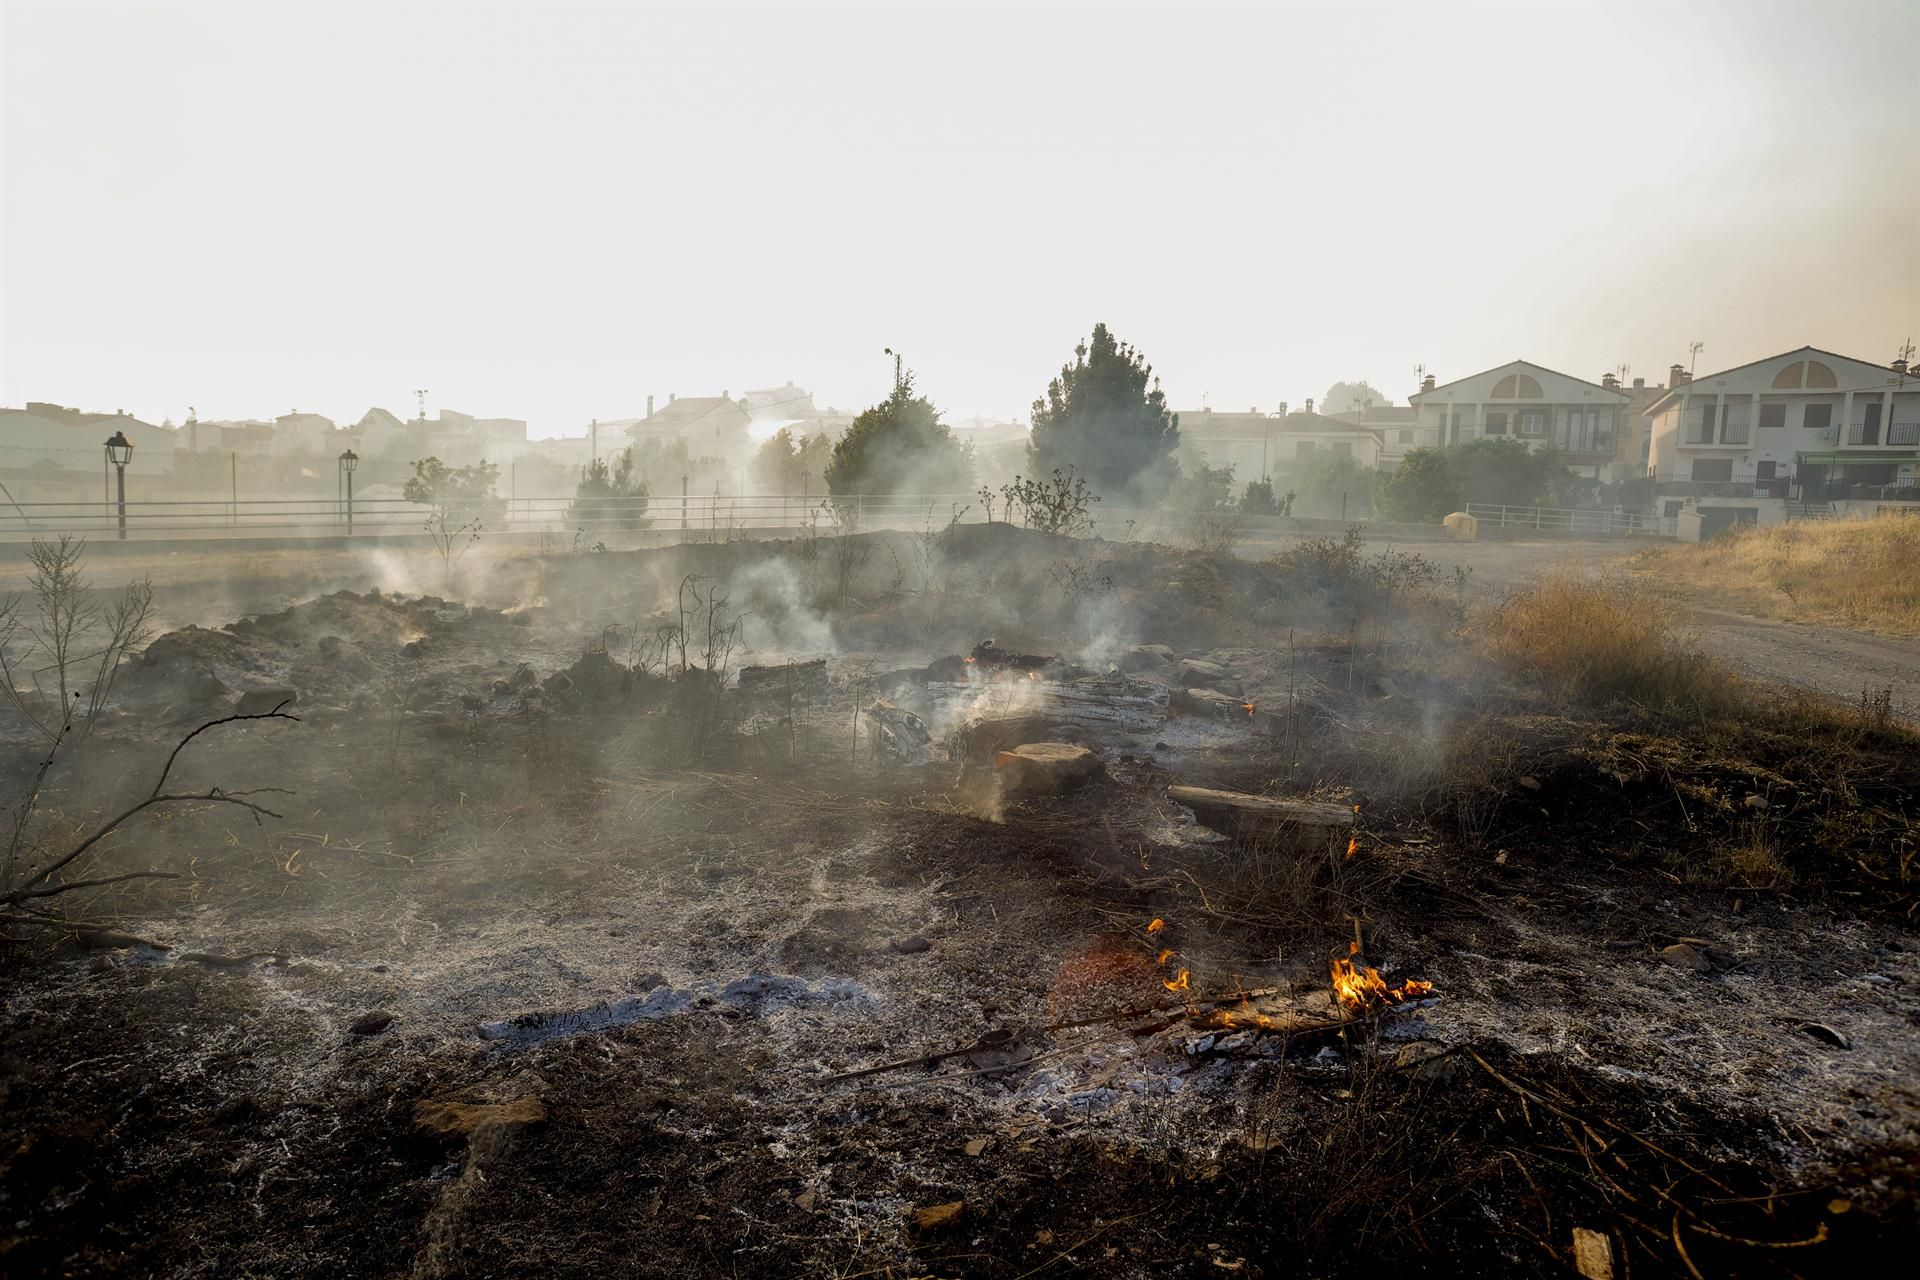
(807, 677)
(1113, 705)
(983, 740)
(1047, 768)
(1308, 826)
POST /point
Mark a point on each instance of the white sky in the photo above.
(548, 212)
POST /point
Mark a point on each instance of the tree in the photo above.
(785, 465)
(1345, 397)
(611, 495)
(1107, 419)
(899, 446)
(1334, 484)
(1423, 489)
(456, 494)
(1257, 499)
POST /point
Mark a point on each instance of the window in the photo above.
(1496, 424)
(1533, 424)
(1406, 435)
(1713, 470)
(1733, 419)
(1818, 417)
(1819, 375)
(1867, 430)
(1341, 448)
(1303, 448)
(1773, 415)
(1518, 386)
(1700, 430)
(1764, 470)
(1790, 377)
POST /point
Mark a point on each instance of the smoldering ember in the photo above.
(962, 899)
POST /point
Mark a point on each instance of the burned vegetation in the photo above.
(985, 902)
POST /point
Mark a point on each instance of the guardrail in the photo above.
(1567, 520)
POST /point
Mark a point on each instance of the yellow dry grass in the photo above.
(1857, 573)
(1601, 640)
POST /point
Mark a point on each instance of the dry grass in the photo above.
(1860, 573)
(1600, 641)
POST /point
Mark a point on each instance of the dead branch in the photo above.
(48, 891)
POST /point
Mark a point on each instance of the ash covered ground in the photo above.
(688, 911)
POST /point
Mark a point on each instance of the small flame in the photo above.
(1178, 983)
(1157, 925)
(1360, 987)
(1033, 675)
(1353, 845)
(969, 660)
(1248, 706)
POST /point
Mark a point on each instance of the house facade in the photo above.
(1803, 432)
(1535, 405)
(1262, 445)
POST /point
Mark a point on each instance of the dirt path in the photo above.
(1830, 659)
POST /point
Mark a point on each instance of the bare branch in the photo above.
(275, 714)
(214, 795)
(48, 891)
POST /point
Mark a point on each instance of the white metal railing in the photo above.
(1564, 519)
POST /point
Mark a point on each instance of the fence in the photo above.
(1567, 520)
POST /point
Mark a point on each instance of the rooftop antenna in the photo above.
(1693, 353)
(896, 367)
(420, 395)
(1419, 374)
(1622, 371)
(1906, 362)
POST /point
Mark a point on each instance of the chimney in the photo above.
(1639, 384)
(1309, 404)
(1900, 366)
(1426, 383)
(1677, 376)
(1609, 381)
(649, 406)
(672, 396)
(723, 395)
(1283, 408)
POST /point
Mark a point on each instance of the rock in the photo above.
(806, 1199)
(1048, 768)
(1592, 1250)
(332, 647)
(371, 1023)
(259, 702)
(1682, 956)
(975, 1146)
(1426, 1060)
(1214, 704)
(414, 648)
(1756, 801)
(501, 689)
(939, 1217)
(1198, 673)
(1530, 782)
(464, 1119)
(910, 945)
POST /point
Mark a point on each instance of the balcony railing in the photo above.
(1904, 433)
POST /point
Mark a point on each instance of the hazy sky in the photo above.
(548, 212)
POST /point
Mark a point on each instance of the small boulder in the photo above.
(1146, 657)
(331, 648)
(1198, 673)
(371, 1023)
(1048, 768)
(260, 702)
(939, 1217)
(414, 648)
(1682, 956)
(910, 945)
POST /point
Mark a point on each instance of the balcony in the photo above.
(1739, 487)
(1904, 433)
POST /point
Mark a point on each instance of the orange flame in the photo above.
(1178, 983)
(1033, 675)
(1248, 707)
(1165, 955)
(1353, 845)
(1360, 987)
(970, 660)
(1157, 925)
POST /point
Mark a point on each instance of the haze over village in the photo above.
(996, 642)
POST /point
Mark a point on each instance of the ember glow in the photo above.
(1360, 988)
(1177, 983)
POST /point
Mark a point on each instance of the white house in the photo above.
(1259, 445)
(1532, 404)
(1770, 439)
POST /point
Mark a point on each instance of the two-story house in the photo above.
(1532, 404)
(1804, 432)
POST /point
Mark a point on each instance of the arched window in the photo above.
(1819, 375)
(1517, 386)
(1504, 389)
(1530, 390)
(1789, 377)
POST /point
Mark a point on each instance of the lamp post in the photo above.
(348, 461)
(119, 453)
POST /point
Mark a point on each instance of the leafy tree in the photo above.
(899, 446)
(1106, 417)
(1344, 397)
(1201, 488)
(611, 495)
(1333, 482)
(1257, 499)
(1423, 489)
(458, 494)
(784, 464)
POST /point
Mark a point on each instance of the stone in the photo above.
(260, 702)
(464, 1119)
(502, 689)
(1048, 768)
(1682, 956)
(1592, 1250)
(910, 945)
(414, 648)
(1213, 704)
(332, 647)
(371, 1023)
(939, 1217)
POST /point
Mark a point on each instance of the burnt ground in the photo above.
(561, 983)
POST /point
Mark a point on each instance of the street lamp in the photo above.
(348, 461)
(119, 453)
